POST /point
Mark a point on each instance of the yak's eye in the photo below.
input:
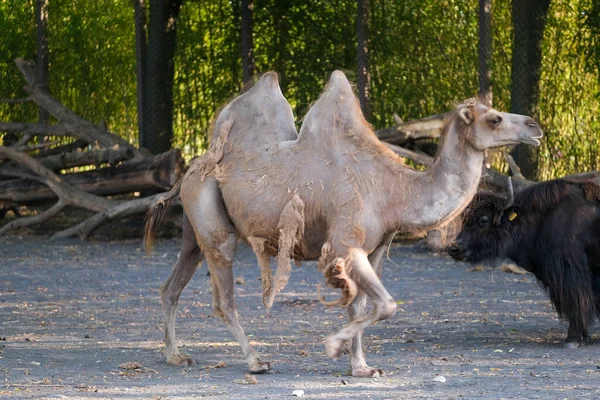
(483, 221)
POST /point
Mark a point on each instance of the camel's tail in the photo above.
(156, 214)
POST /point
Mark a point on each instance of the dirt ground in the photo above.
(73, 314)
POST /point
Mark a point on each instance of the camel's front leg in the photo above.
(357, 309)
(384, 307)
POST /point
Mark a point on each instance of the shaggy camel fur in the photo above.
(332, 193)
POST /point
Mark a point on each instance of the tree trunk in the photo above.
(158, 88)
(529, 19)
(485, 51)
(139, 7)
(363, 78)
(41, 17)
(247, 41)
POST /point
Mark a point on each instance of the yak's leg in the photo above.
(384, 305)
(574, 337)
(357, 309)
(187, 263)
(218, 239)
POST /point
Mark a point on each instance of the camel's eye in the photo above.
(484, 221)
(495, 121)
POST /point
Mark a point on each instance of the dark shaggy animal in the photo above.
(552, 230)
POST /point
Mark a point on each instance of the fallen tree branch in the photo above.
(85, 228)
(155, 173)
(78, 126)
(35, 219)
(38, 146)
(426, 128)
(93, 157)
(65, 148)
(64, 191)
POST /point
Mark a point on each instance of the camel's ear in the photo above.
(466, 114)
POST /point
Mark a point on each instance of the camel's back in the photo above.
(333, 165)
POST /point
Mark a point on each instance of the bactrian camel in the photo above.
(332, 193)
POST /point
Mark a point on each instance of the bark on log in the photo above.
(82, 158)
(426, 128)
(154, 173)
(65, 148)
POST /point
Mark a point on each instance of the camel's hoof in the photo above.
(260, 368)
(367, 372)
(333, 347)
(180, 361)
(571, 345)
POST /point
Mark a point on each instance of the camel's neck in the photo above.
(437, 195)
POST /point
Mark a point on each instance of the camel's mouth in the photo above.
(533, 140)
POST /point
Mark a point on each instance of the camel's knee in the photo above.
(386, 308)
(228, 246)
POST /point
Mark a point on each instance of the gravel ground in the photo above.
(74, 315)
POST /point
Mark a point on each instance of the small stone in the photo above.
(87, 336)
(344, 382)
(240, 280)
(35, 363)
(440, 379)
(298, 393)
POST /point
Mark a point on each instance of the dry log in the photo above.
(154, 173)
(81, 158)
(426, 128)
(65, 148)
(67, 195)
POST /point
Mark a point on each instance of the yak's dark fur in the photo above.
(555, 235)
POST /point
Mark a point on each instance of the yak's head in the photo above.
(486, 233)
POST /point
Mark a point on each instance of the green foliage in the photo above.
(423, 57)
(17, 30)
(570, 89)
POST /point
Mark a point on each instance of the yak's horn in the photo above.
(511, 194)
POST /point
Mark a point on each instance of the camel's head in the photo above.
(485, 127)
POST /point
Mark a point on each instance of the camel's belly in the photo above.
(260, 219)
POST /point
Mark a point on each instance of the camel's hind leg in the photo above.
(187, 263)
(384, 307)
(217, 236)
(356, 310)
